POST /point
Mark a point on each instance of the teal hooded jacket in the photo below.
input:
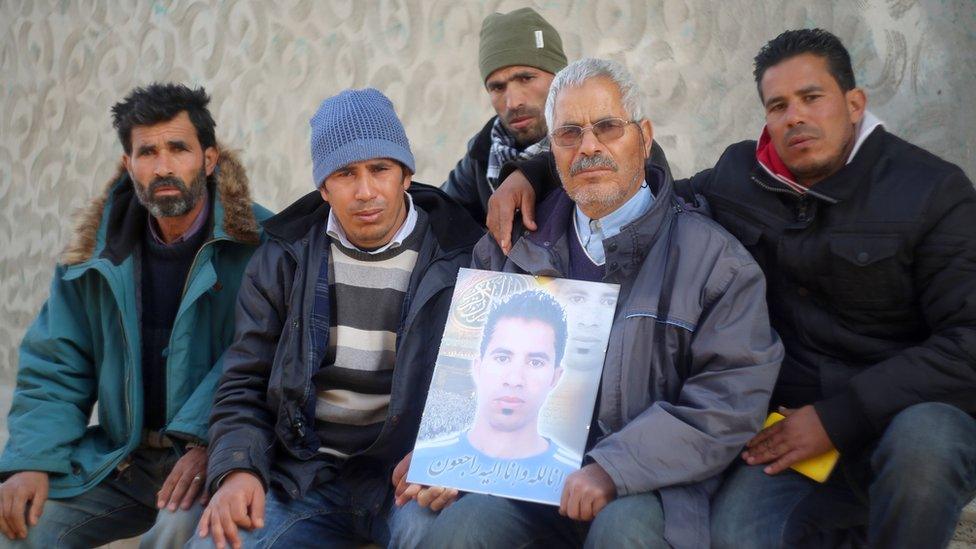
(84, 347)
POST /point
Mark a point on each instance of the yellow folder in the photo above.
(817, 468)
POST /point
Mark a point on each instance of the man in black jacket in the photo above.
(869, 249)
(338, 316)
(518, 54)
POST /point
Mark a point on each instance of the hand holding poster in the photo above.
(511, 399)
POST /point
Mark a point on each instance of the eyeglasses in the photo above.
(605, 130)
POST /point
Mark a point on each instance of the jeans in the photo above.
(908, 491)
(478, 520)
(332, 515)
(121, 506)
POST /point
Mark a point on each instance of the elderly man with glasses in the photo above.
(691, 360)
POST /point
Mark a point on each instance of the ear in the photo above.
(126, 163)
(857, 102)
(407, 177)
(647, 132)
(324, 192)
(210, 157)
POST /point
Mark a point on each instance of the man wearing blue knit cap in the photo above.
(337, 320)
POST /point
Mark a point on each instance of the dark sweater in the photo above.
(164, 272)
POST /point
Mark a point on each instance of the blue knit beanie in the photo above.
(353, 126)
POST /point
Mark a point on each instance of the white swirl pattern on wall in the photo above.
(268, 65)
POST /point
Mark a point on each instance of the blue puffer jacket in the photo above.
(84, 347)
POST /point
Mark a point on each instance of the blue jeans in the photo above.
(332, 515)
(121, 506)
(908, 491)
(478, 520)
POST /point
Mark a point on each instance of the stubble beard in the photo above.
(528, 136)
(593, 194)
(172, 206)
(814, 172)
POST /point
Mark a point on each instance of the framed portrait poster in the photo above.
(511, 398)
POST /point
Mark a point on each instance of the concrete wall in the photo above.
(269, 64)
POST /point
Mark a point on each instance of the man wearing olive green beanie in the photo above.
(518, 55)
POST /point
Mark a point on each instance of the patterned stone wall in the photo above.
(269, 64)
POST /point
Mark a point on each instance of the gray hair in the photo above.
(578, 72)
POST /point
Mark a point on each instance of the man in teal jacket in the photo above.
(139, 314)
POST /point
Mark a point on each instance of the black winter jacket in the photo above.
(871, 285)
(468, 181)
(263, 416)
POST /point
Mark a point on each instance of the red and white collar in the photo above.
(770, 161)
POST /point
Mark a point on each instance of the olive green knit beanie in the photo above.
(521, 37)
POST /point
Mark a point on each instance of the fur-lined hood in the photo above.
(232, 192)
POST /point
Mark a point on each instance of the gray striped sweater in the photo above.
(366, 294)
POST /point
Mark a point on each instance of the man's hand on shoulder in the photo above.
(239, 502)
(513, 194)
(586, 493)
(185, 482)
(799, 436)
(15, 494)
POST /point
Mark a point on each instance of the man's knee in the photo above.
(754, 509)
(52, 529)
(466, 523)
(173, 529)
(45, 534)
(409, 524)
(478, 520)
(630, 521)
(734, 506)
(934, 444)
(929, 428)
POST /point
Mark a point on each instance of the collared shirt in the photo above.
(198, 224)
(867, 125)
(334, 230)
(592, 232)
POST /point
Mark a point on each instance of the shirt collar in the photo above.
(610, 225)
(198, 223)
(866, 127)
(334, 230)
(770, 162)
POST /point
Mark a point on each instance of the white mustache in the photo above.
(596, 161)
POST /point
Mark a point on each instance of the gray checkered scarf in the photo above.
(503, 149)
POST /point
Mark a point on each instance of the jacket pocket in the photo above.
(864, 271)
(648, 371)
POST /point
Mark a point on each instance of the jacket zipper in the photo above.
(127, 378)
(773, 189)
(193, 265)
(297, 421)
(186, 284)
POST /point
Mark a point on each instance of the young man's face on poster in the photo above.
(515, 373)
